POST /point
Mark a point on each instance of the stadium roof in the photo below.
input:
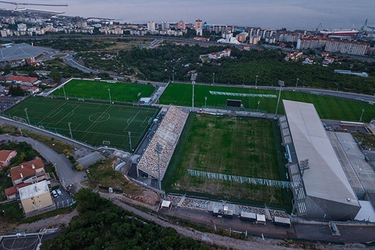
(20, 51)
(324, 178)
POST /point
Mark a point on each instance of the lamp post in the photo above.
(109, 94)
(158, 150)
(256, 80)
(64, 91)
(258, 105)
(193, 77)
(297, 82)
(130, 140)
(205, 101)
(27, 116)
(360, 118)
(173, 75)
(213, 78)
(281, 84)
(70, 130)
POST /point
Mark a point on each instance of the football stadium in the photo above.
(227, 160)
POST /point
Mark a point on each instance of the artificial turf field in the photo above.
(95, 123)
(327, 107)
(228, 145)
(101, 90)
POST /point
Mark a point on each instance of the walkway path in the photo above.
(222, 241)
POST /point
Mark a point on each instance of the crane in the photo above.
(35, 4)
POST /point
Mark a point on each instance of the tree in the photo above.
(55, 75)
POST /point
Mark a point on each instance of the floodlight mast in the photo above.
(360, 118)
(27, 116)
(281, 84)
(192, 78)
(70, 130)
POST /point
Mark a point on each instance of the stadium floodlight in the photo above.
(281, 84)
(27, 116)
(130, 140)
(360, 118)
(193, 77)
(109, 93)
(70, 130)
(158, 150)
(63, 87)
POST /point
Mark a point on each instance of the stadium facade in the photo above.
(321, 189)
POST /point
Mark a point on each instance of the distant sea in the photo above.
(277, 14)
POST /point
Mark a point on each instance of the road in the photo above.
(208, 238)
(46, 133)
(63, 166)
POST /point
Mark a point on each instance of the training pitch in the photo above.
(234, 146)
(101, 90)
(265, 100)
(95, 123)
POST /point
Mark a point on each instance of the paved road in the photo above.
(209, 238)
(46, 133)
(63, 166)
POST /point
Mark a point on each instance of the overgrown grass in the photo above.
(327, 107)
(103, 174)
(11, 211)
(228, 145)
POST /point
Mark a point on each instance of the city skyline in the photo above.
(289, 14)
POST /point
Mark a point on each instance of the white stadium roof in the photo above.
(324, 178)
(21, 51)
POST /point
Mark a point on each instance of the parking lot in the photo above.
(62, 198)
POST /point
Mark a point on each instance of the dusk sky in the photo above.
(290, 14)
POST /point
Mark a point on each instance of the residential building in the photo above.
(151, 26)
(12, 192)
(29, 172)
(164, 25)
(347, 47)
(242, 37)
(5, 157)
(181, 25)
(36, 198)
(198, 27)
(22, 80)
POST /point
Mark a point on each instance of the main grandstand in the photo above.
(322, 190)
(167, 137)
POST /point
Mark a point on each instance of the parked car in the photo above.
(59, 192)
(54, 193)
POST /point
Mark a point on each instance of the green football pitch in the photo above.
(265, 100)
(95, 123)
(101, 90)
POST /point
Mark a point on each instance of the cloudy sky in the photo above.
(290, 14)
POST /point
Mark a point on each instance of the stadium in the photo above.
(316, 175)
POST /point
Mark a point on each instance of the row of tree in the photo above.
(261, 67)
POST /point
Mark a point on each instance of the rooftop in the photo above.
(32, 190)
(324, 178)
(26, 169)
(20, 51)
